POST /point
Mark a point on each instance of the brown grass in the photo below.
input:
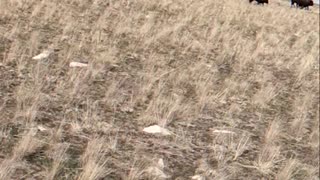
(237, 85)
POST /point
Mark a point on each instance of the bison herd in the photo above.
(297, 3)
(302, 3)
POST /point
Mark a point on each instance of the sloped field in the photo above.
(236, 84)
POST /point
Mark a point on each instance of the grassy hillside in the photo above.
(236, 84)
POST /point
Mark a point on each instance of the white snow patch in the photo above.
(223, 131)
(157, 172)
(161, 164)
(45, 54)
(41, 128)
(155, 129)
(78, 64)
(198, 177)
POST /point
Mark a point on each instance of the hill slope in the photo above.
(236, 84)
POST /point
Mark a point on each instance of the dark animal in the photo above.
(302, 3)
(260, 1)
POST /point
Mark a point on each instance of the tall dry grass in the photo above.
(236, 83)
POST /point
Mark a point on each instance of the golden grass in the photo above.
(236, 83)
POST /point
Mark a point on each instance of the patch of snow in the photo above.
(45, 54)
(78, 64)
(223, 131)
(157, 172)
(41, 128)
(198, 177)
(161, 164)
(155, 129)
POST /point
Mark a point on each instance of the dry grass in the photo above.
(237, 85)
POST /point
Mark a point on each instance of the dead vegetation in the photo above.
(237, 85)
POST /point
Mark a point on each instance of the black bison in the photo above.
(260, 1)
(302, 3)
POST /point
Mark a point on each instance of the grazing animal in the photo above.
(260, 1)
(302, 3)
